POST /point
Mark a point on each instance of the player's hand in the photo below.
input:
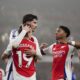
(43, 45)
(30, 52)
(4, 57)
(26, 28)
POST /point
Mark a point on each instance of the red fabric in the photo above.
(23, 70)
(60, 52)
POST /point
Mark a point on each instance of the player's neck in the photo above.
(64, 40)
(26, 37)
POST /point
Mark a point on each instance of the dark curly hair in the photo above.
(66, 30)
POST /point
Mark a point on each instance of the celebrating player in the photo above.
(7, 57)
(61, 51)
(29, 22)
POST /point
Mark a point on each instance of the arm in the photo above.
(45, 49)
(76, 44)
(42, 46)
(35, 53)
(7, 52)
(15, 42)
(48, 49)
(38, 52)
(73, 51)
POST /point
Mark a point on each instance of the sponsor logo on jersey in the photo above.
(58, 53)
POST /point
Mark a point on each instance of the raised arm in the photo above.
(17, 40)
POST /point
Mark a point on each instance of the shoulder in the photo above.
(35, 39)
(13, 33)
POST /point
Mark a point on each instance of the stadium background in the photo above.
(51, 13)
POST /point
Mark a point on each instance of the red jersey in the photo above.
(60, 52)
(24, 64)
(61, 60)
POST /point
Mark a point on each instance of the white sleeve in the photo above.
(15, 42)
(49, 49)
(13, 34)
(38, 52)
(8, 49)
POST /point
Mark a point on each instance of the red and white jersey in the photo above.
(24, 64)
(24, 69)
(61, 56)
(16, 38)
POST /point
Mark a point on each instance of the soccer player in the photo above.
(23, 60)
(7, 57)
(30, 20)
(61, 51)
